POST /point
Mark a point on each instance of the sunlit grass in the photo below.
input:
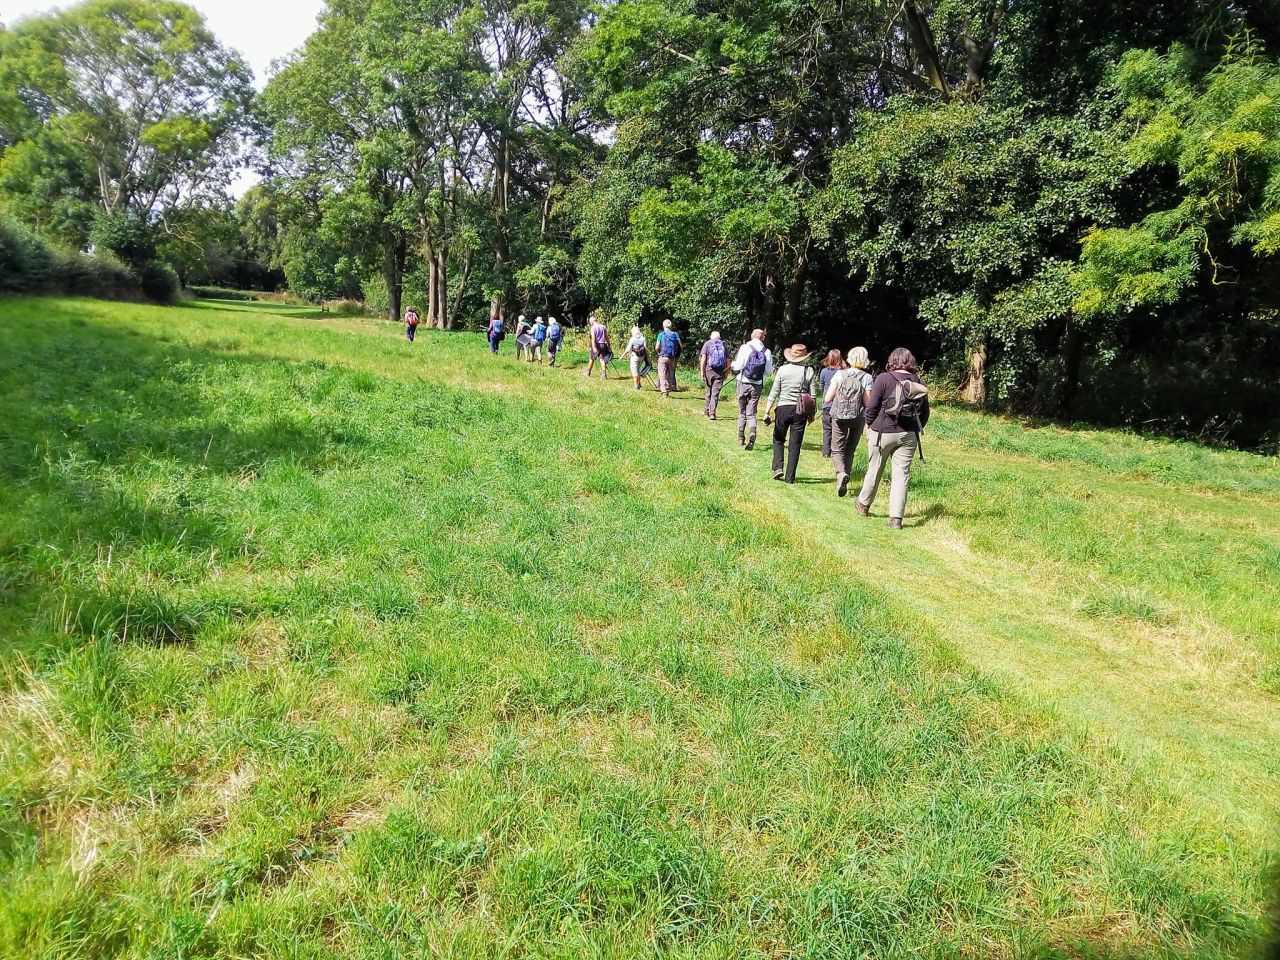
(319, 643)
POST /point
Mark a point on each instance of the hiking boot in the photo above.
(842, 485)
(777, 474)
(751, 443)
(742, 441)
(863, 509)
(895, 523)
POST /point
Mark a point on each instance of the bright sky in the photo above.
(260, 29)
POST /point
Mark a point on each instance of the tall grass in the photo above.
(318, 643)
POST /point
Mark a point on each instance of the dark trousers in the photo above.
(826, 433)
(409, 331)
(786, 422)
(714, 381)
(493, 343)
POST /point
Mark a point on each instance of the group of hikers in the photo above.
(892, 408)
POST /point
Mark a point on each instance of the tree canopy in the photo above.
(1066, 208)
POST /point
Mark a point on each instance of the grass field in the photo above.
(317, 643)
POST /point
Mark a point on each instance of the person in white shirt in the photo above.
(753, 363)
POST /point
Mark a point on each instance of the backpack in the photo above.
(668, 343)
(638, 349)
(908, 402)
(555, 334)
(496, 329)
(412, 318)
(715, 354)
(753, 368)
(847, 404)
(539, 333)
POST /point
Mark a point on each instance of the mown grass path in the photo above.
(318, 643)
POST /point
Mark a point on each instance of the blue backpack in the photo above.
(497, 327)
(539, 332)
(715, 354)
(753, 369)
(555, 334)
(668, 343)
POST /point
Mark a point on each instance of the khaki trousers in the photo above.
(899, 449)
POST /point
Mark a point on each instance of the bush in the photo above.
(25, 261)
(346, 308)
(28, 264)
(100, 275)
(159, 283)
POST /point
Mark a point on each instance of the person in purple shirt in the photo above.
(598, 346)
(713, 366)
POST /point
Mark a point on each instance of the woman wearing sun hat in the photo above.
(792, 398)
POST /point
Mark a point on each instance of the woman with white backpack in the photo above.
(847, 394)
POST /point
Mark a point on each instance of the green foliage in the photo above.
(1219, 134)
(30, 265)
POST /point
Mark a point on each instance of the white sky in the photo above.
(260, 29)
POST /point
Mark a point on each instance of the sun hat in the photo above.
(796, 352)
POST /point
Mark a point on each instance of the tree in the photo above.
(137, 93)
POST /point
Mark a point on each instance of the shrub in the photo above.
(159, 283)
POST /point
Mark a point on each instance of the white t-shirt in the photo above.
(744, 351)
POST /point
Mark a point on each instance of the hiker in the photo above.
(555, 337)
(832, 364)
(846, 399)
(539, 334)
(753, 363)
(639, 353)
(668, 348)
(523, 340)
(792, 397)
(410, 323)
(598, 347)
(713, 364)
(897, 410)
(496, 333)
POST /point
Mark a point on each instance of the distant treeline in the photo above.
(1068, 208)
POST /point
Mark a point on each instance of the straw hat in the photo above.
(796, 353)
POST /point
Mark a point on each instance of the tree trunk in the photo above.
(975, 384)
(442, 278)
(795, 293)
(393, 273)
(1072, 359)
(428, 254)
(925, 46)
(462, 287)
(502, 245)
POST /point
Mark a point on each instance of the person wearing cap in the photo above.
(753, 363)
(793, 382)
(713, 364)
